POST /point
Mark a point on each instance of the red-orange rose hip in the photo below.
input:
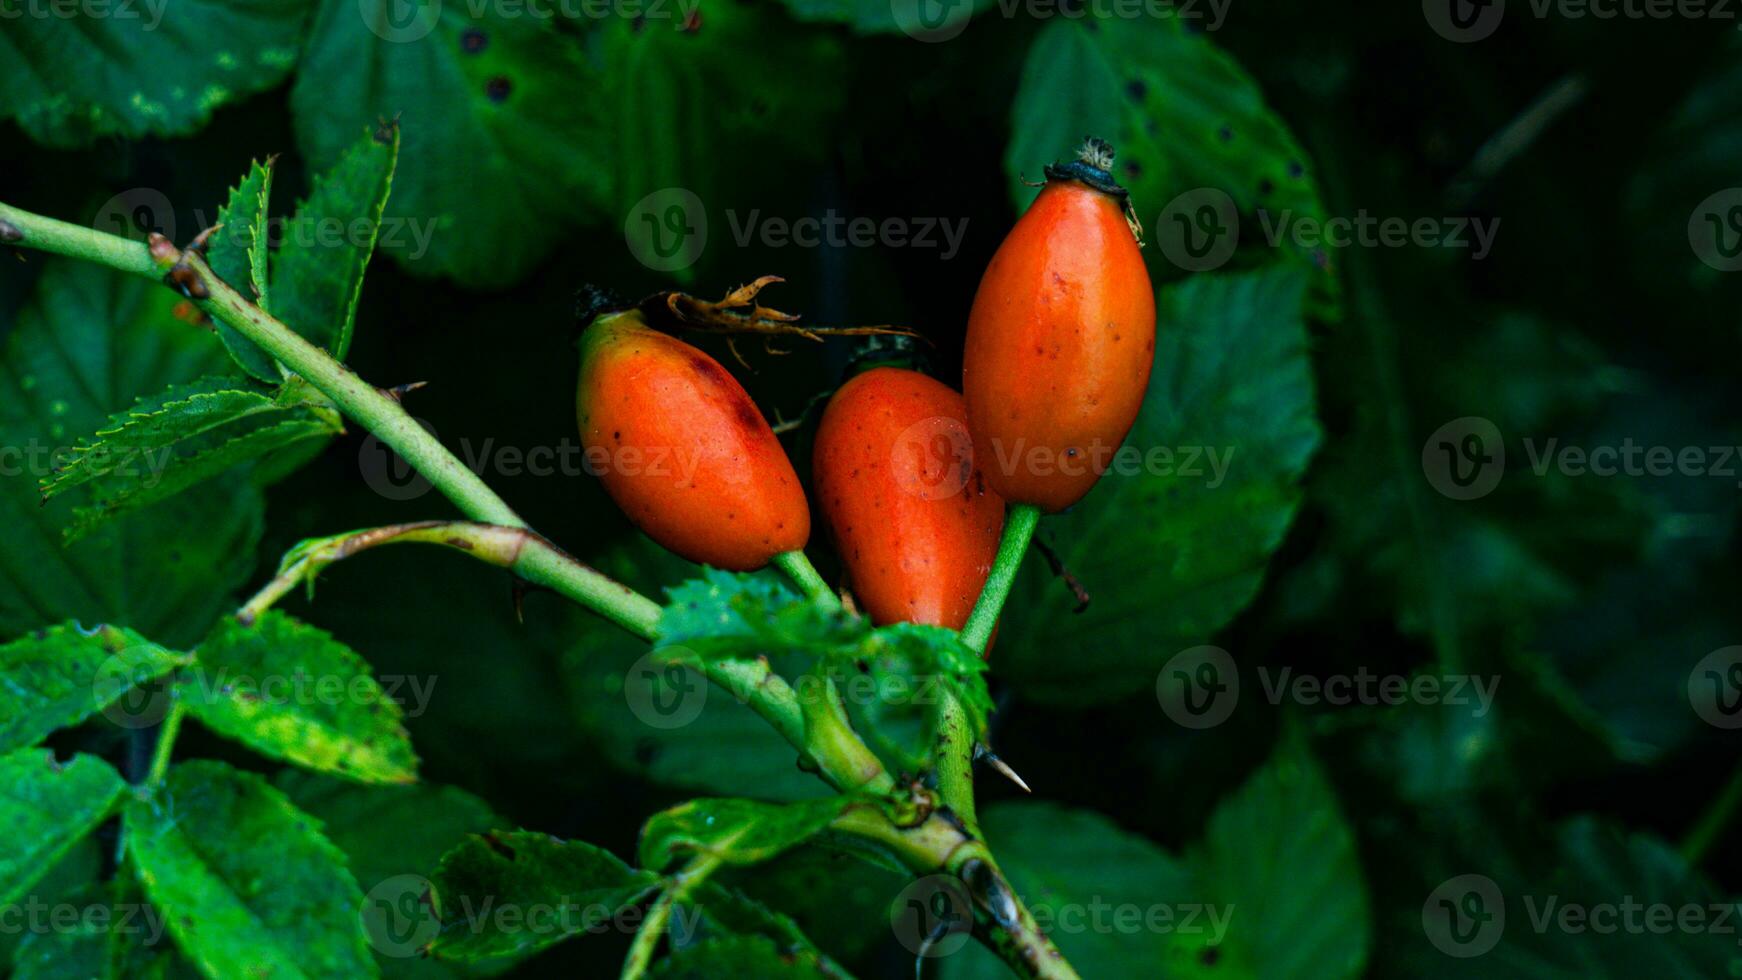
(1060, 340)
(916, 527)
(683, 450)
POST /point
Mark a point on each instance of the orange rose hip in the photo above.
(683, 450)
(916, 526)
(1060, 339)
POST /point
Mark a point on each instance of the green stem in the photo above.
(78, 242)
(646, 943)
(953, 750)
(1713, 820)
(936, 845)
(517, 549)
(804, 575)
(1019, 527)
(166, 736)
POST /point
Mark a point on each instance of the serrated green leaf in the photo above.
(253, 885)
(145, 70)
(291, 691)
(238, 255)
(734, 831)
(131, 438)
(179, 438)
(47, 807)
(1173, 547)
(317, 278)
(192, 468)
(740, 956)
(88, 344)
(1183, 117)
(523, 871)
(63, 675)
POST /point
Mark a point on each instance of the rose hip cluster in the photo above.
(911, 477)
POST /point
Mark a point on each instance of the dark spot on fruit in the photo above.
(1136, 89)
(1209, 955)
(473, 40)
(497, 89)
(1133, 169)
(1295, 169)
(1265, 186)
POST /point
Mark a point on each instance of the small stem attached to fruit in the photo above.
(1019, 528)
(804, 575)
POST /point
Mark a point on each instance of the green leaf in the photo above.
(734, 831)
(238, 255)
(151, 69)
(89, 343)
(47, 807)
(489, 180)
(1273, 891)
(116, 937)
(679, 96)
(894, 671)
(317, 278)
(887, 17)
(580, 884)
(740, 956)
(60, 676)
(292, 692)
(1183, 116)
(253, 886)
(516, 129)
(393, 836)
(1177, 544)
(177, 439)
(1280, 850)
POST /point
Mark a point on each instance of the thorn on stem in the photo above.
(10, 233)
(200, 240)
(1054, 562)
(398, 391)
(984, 754)
(162, 250)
